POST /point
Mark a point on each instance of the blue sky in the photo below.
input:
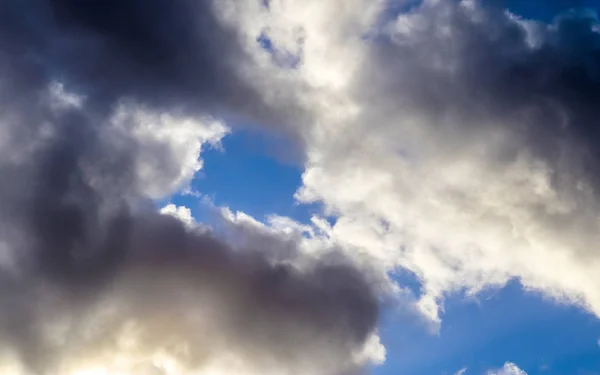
(504, 325)
(247, 175)
(546, 10)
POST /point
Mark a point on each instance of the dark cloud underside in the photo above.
(75, 226)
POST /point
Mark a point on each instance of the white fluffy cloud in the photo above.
(445, 140)
(180, 212)
(168, 142)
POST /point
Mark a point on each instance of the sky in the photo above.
(317, 187)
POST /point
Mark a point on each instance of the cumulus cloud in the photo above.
(458, 143)
(452, 138)
(184, 214)
(172, 142)
(170, 300)
(106, 107)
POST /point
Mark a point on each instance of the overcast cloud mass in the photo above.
(452, 139)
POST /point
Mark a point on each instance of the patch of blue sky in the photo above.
(282, 57)
(541, 10)
(246, 175)
(378, 33)
(394, 8)
(547, 10)
(508, 324)
(408, 280)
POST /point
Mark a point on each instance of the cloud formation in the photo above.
(104, 108)
(450, 138)
(174, 301)
(458, 143)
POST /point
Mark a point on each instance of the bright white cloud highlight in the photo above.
(170, 142)
(509, 368)
(180, 212)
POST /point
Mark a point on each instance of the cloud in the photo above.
(182, 213)
(177, 301)
(171, 142)
(453, 139)
(458, 143)
(156, 52)
(104, 109)
(509, 368)
(461, 371)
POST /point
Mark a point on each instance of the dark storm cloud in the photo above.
(164, 278)
(66, 170)
(467, 70)
(76, 232)
(160, 52)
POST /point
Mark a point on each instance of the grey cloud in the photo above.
(469, 77)
(470, 72)
(188, 288)
(158, 52)
(84, 259)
